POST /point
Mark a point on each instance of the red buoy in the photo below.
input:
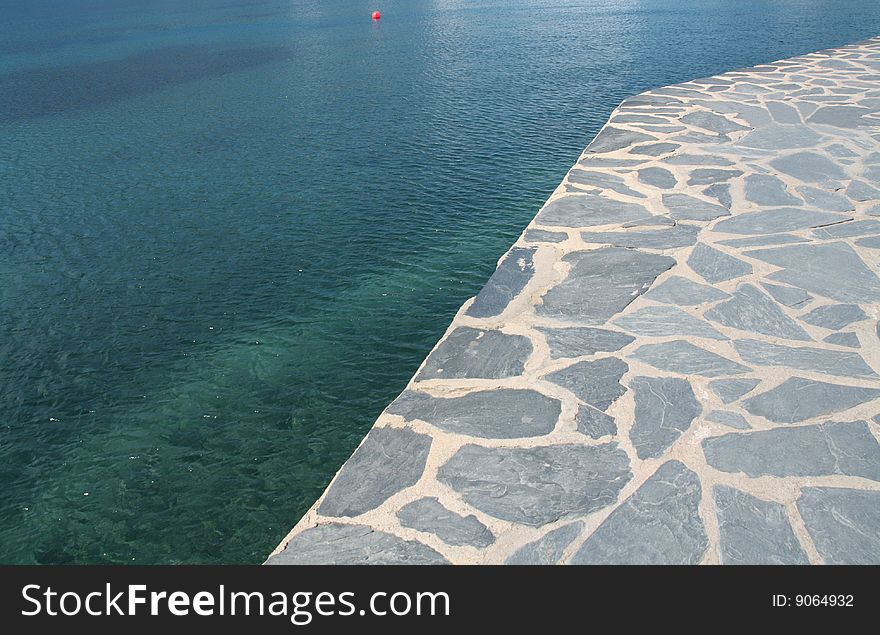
(377, 15)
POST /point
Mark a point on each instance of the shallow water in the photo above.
(230, 230)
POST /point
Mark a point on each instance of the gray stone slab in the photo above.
(681, 235)
(679, 356)
(603, 180)
(594, 382)
(537, 486)
(658, 177)
(818, 360)
(659, 524)
(765, 189)
(843, 523)
(751, 310)
(760, 241)
(610, 139)
(798, 399)
(721, 192)
(665, 408)
(783, 113)
(655, 149)
(511, 277)
(847, 230)
(711, 121)
(729, 390)
(843, 339)
(388, 461)
(788, 296)
(430, 516)
(577, 341)
(594, 423)
(835, 316)
(707, 176)
(755, 531)
(697, 159)
(684, 292)
(477, 353)
(834, 270)
(504, 413)
(715, 266)
(335, 543)
(601, 283)
(842, 116)
(872, 242)
(775, 221)
(731, 419)
(684, 207)
(666, 320)
(547, 549)
(544, 236)
(655, 220)
(825, 201)
(810, 167)
(593, 161)
(781, 137)
(826, 449)
(588, 210)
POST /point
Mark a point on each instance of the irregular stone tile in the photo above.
(594, 423)
(509, 279)
(388, 461)
(587, 210)
(765, 189)
(680, 235)
(697, 159)
(729, 390)
(842, 116)
(601, 283)
(655, 149)
(547, 549)
(783, 113)
(861, 191)
(843, 339)
(754, 531)
(839, 273)
(706, 176)
(658, 177)
(659, 524)
(536, 486)
(721, 192)
(592, 161)
(872, 242)
(819, 360)
(774, 221)
(594, 382)
(776, 137)
(732, 419)
(335, 543)
(665, 408)
(603, 180)
(755, 116)
(610, 139)
(684, 292)
(715, 266)
(504, 413)
(666, 320)
(684, 207)
(759, 241)
(843, 523)
(656, 220)
(477, 353)
(825, 449)
(544, 236)
(835, 316)
(825, 201)
(430, 516)
(683, 357)
(798, 399)
(574, 342)
(809, 167)
(750, 310)
(711, 121)
(840, 150)
(788, 296)
(700, 137)
(637, 118)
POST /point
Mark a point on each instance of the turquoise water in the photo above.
(231, 230)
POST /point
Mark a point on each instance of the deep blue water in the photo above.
(231, 229)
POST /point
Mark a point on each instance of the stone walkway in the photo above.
(676, 363)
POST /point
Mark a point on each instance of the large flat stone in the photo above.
(729, 390)
(602, 283)
(666, 320)
(593, 382)
(766, 189)
(655, 149)
(731, 419)
(335, 543)
(843, 339)
(511, 277)
(843, 116)
(751, 310)
(826, 449)
(678, 236)
(665, 408)
(777, 137)
(604, 181)
(684, 207)
(789, 296)
(477, 353)
(797, 399)
(810, 167)
(536, 486)
(588, 210)
(544, 236)
(610, 139)
(594, 423)
(819, 360)
(684, 292)
(706, 176)
(755, 531)
(504, 413)
(843, 523)
(824, 200)
(760, 241)
(774, 221)
(547, 549)
(847, 230)
(577, 341)
(430, 516)
(835, 316)
(715, 266)
(711, 121)
(657, 177)
(659, 524)
(388, 461)
(683, 357)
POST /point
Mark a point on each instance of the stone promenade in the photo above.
(676, 363)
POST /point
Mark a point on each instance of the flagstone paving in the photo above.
(677, 362)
